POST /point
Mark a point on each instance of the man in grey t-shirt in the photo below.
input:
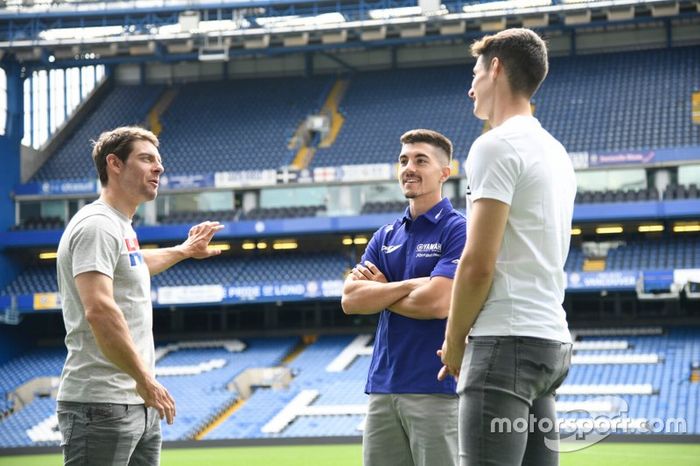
(109, 402)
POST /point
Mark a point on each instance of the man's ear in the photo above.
(114, 163)
(446, 172)
(496, 67)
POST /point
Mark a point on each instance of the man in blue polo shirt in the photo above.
(406, 275)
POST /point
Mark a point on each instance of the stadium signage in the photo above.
(83, 186)
(245, 178)
(621, 280)
(367, 172)
(621, 158)
(594, 281)
(187, 181)
(344, 174)
(287, 290)
(190, 294)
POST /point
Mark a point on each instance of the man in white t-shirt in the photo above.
(109, 401)
(509, 286)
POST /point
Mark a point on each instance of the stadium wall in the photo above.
(10, 151)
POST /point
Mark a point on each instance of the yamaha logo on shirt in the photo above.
(135, 255)
(429, 250)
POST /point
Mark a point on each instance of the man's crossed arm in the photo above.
(367, 291)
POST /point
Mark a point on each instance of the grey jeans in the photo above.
(410, 430)
(108, 434)
(506, 400)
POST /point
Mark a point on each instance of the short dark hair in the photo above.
(523, 54)
(120, 142)
(431, 137)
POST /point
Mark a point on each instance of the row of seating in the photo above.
(617, 195)
(658, 389)
(676, 253)
(123, 105)
(281, 266)
(609, 102)
(672, 192)
(260, 213)
(196, 216)
(192, 217)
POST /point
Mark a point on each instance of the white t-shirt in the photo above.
(100, 239)
(521, 164)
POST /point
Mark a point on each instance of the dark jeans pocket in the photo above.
(106, 413)
(477, 363)
(66, 422)
(541, 366)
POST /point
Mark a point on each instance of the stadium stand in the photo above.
(240, 125)
(380, 106)
(383, 206)
(335, 388)
(666, 253)
(190, 217)
(33, 279)
(329, 401)
(123, 105)
(206, 394)
(22, 369)
(594, 103)
(679, 191)
(40, 223)
(620, 101)
(618, 195)
(225, 269)
(293, 266)
(669, 253)
(260, 213)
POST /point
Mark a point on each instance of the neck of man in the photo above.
(508, 105)
(421, 204)
(118, 202)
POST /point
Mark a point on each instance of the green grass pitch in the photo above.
(607, 454)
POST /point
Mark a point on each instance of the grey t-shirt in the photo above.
(100, 239)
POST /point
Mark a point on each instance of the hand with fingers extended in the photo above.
(157, 396)
(196, 245)
(368, 271)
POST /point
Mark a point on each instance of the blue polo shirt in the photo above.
(404, 359)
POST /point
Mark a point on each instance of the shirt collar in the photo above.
(434, 215)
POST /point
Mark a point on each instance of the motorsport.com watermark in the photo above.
(579, 433)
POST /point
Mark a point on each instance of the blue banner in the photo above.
(203, 294)
(657, 280)
(621, 158)
(173, 182)
(260, 292)
(61, 187)
(619, 280)
(583, 160)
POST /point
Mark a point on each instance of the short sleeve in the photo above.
(452, 247)
(94, 246)
(492, 169)
(373, 247)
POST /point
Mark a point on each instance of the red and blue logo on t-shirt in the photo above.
(135, 256)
